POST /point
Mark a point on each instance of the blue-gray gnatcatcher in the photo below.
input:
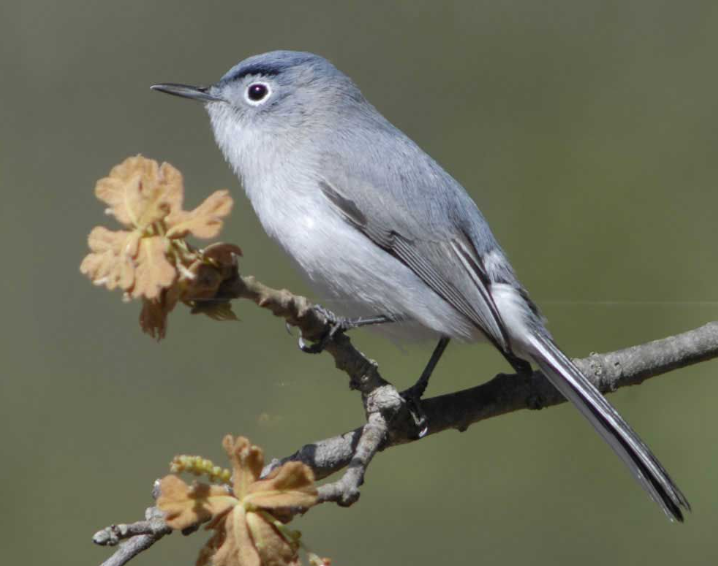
(381, 230)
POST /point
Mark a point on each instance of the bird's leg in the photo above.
(521, 366)
(338, 325)
(413, 395)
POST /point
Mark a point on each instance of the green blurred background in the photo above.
(587, 131)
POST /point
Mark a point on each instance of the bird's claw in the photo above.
(412, 398)
(316, 348)
(337, 325)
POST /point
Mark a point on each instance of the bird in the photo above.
(385, 234)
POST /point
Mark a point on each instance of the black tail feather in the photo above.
(644, 466)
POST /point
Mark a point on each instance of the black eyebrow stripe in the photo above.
(253, 70)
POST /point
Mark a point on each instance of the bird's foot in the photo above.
(412, 398)
(413, 395)
(337, 325)
(521, 366)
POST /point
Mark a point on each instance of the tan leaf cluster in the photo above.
(197, 285)
(248, 523)
(150, 259)
(187, 505)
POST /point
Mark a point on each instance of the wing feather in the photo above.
(451, 267)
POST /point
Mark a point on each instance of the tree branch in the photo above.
(507, 393)
(389, 423)
(133, 538)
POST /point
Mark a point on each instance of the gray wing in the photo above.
(426, 238)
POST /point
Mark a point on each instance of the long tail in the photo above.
(574, 386)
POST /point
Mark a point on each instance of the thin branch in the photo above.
(133, 538)
(508, 393)
(345, 491)
(297, 311)
(382, 402)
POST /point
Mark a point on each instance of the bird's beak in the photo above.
(200, 93)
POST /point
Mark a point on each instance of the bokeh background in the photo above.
(587, 131)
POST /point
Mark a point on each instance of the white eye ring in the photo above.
(257, 93)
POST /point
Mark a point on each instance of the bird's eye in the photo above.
(257, 92)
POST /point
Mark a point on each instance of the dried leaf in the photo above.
(291, 485)
(205, 221)
(110, 262)
(249, 527)
(186, 506)
(220, 311)
(238, 548)
(224, 256)
(153, 316)
(171, 184)
(121, 195)
(140, 193)
(273, 548)
(247, 463)
(151, 261)
(153, 272)
(207, 552)
(204, 281)
(217, 264)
